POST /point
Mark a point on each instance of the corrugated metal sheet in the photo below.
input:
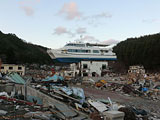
(14, 77)
(65, 110)
(53, 78)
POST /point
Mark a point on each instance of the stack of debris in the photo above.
(56, 87)
(71, 101)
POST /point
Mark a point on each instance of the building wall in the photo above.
(94, 68)
(87, 68)
(7, 68)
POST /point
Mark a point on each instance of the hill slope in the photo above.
(143, 51)
(17, 51)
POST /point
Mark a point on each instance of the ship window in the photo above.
(72, 50)
(69, 50)
(88, 51)
(79, 51)
(83, 51)
(69, 45)
(95, 51)
(79, 45)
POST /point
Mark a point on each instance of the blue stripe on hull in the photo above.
(76, 60)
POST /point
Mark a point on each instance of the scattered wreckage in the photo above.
(70, 101)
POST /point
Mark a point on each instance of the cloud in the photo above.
(63, 30)
(88, 38)
(98, 16)
(110, 41)
(81, 30)
(27, 6)
(96, 19)
(150, 20)
(70, 10)
(28, 10)
(102, 15)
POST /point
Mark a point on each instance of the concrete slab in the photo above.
(113, 115)
(65, 110)
(79, 118)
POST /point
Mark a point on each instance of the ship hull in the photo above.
(76, 60)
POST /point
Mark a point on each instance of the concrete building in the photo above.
(7, 68)
(87, 68)
(93, 68)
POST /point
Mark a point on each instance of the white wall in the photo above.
(94, 66)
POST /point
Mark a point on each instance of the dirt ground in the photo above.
(152, 107)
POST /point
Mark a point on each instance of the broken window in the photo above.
(2, 67)
(104, 66)
(85, 66)
(93, 74)
(85, 74)
(10, 68)
(19, 68)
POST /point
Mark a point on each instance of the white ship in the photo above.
(78, 51)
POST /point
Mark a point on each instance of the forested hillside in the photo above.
(17, 51)
(140, 51)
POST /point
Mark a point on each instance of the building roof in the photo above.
(11, 65)
(14, 77)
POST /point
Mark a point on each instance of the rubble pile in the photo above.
(37, 72)
(70, 101)
(56, 87)
(12, 108)
(143, 86)
(74, 96)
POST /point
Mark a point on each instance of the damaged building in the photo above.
(88, 69)
(8, 68)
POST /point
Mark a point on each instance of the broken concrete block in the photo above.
(2, 112)
(113, 115)
(38, 115)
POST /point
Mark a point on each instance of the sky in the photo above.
(53, 23)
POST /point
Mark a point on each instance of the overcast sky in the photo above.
(52, 23)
